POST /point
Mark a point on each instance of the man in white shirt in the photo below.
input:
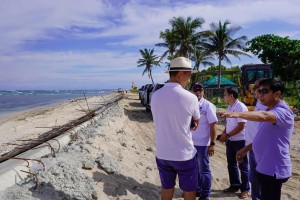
(234, 136)
(173, 108)
(204, 140)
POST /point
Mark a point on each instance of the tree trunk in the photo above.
(296, 89)
(219, 74)
(197, 67)
(151, 77)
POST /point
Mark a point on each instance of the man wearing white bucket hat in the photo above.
(173, 108)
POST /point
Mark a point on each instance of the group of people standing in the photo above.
(185, 126)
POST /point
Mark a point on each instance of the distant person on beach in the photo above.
(173, 109)
(234, 136)
(204, 140)
(272, 141)
(250, 133)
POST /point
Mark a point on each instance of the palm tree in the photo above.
(200, 57)
(187, 35)
(182, 39)
(148, 60)
(219, 42)
(169, 42)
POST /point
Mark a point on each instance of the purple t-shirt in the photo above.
(272, 142)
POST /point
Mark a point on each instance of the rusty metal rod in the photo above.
(62, 129)
(86, 102)
(81, 110)
(27, 160)
(36, 178)
(58, 144)
(80, 106)
(23, 160)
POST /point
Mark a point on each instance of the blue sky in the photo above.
(94, 44)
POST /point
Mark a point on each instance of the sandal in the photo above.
(231, 190)
(243, 195)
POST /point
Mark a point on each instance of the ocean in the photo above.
(12, 101)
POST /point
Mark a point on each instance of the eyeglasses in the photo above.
(197, 89)
(263, 91)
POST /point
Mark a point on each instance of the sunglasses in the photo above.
(197, 89)
(263, 91)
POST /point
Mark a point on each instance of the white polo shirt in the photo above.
(173, 108)
(231, 123)
(251, 126)
(201, 136)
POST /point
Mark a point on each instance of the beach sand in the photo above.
(30, 124)
(114, 157)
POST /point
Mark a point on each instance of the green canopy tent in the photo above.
(213, 82)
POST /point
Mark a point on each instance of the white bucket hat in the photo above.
(181, 64)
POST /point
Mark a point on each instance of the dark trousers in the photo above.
(270, 187)
(232, 147)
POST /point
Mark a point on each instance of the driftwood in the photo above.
(44, 137)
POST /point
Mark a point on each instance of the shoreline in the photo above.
(31, 123)
(4, 115)
(10, 114)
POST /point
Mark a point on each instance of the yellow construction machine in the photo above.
(250, 73)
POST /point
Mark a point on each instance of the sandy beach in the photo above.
(113, 158)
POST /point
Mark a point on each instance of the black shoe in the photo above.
(231, 190)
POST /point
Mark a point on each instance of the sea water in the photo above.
(12, 101)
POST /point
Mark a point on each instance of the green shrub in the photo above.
(290, 95)
(134, 90)
(219, 102)
(292, 101)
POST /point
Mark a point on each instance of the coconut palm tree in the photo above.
(219, 42)
(200, 57)
(183, 37)
(169, 42)
(187, 35)
(148, 60)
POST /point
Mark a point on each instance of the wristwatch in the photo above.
(212, 143)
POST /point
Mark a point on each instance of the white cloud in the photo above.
(141, 21)
(31, 20)
(72, 70)
(144, 22)
(291, 34)
(137, 21)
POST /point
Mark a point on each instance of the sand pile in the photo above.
(64, 176)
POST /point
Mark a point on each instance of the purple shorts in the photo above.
(187, 173)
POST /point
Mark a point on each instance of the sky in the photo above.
(94, 44)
